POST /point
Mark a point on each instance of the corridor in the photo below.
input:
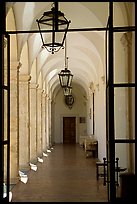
(65, 175)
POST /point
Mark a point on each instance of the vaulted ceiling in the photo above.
(85, 49)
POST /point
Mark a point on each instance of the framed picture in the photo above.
(82, 119)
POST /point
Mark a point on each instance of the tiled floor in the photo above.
(66, 175)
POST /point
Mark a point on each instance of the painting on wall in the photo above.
(82, 119)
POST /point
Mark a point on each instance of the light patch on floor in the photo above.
(5, 194)
(45, 155)
(23, 177)
(40, 159)
(33, 167)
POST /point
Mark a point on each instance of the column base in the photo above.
(33, 161)
(14, 181)
(24, 168)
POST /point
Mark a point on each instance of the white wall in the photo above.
(61, 110)
(90, 114)
(100, 119)
(81, 109)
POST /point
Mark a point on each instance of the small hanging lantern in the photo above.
(55, 22)
(65, 76)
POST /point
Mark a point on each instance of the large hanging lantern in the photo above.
(55, 22)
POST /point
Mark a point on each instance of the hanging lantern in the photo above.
(55, 22)
(65, 78)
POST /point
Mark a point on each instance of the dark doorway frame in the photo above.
(72, 124)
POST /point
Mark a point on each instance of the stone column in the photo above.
(14, 153)
(38, 121)
(24, 143)
(33, 109)
(44, 145)
(47, 121)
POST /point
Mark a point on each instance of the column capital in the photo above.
(39, 88)
(92, 87)
(33, 85)
(97, 86)
(44, 94)
(5, 42)
(103, 79)
(24, 77)
(126, 39)
(47, 96)
(15, 65)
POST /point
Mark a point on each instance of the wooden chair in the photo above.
(103, 173)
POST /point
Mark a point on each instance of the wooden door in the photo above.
(69, 130)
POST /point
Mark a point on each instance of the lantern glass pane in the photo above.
(65, 80)
(70, 80)
(44, 26)
(59, 38)
(47, 38)
(46, 21)
(67, 91)
(60, 78)
(62, 25)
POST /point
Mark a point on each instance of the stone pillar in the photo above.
(52, 122)
(47, 121)
(38, 121)
(44, 145)
(24, 143)
(14, 119)
(33, 109)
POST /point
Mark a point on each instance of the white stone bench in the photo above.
(82, 140)
(91, 147)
